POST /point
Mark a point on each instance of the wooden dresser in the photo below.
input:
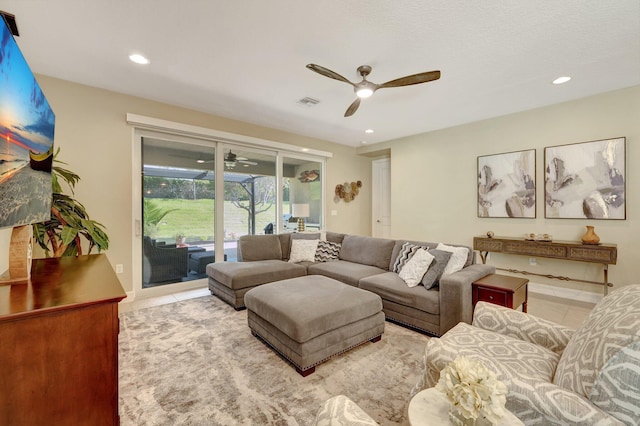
(59, 344)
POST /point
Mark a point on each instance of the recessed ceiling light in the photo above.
(561, 80)
(369, 131)
(139, 59)
(363, 142)
(200, 161)
(305, 149)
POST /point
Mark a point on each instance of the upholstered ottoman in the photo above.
(198, 261)
(309, 319)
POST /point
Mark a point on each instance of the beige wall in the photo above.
(434, 182)
(96, 143)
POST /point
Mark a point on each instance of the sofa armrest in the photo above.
(522, 326)
(341, 411)
(456, 302)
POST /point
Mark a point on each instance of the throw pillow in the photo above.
(406, 252)
(327, 251)
(413, 271)
(457, 260)
(440, 260)
(303, 250)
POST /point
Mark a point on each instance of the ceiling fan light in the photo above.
(229, 164)
(364, 92)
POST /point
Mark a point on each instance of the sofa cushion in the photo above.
(458, 259)
(259, 247)
(391, 287)
(334, 237)
(430, 245)
(416, 267)
(238, 275)
(612, 325)
(347, 272)
(404, 255)
(303, 250)
(440, 260)
(285, 245)
(327, 251)
(367, 250)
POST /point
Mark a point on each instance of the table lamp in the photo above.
(301, 211)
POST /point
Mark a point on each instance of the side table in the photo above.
(502, 290)
(430, 408)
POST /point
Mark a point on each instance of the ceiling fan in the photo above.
(231, 159)
(365, 88)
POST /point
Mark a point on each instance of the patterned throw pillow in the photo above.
(327, 251)
(440, 260)
(406, 252)
(303, 250)
(413, 271)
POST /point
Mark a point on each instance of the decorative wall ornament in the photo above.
(586, 180)
(347, 191)
(507, 185)
(309, 176)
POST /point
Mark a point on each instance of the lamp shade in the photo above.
(300, 210)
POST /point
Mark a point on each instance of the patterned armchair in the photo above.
(555, 375)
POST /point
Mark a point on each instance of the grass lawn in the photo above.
(194, 218)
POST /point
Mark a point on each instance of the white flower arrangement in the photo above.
(473, 390)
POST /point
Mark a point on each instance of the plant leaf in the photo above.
(68, 234)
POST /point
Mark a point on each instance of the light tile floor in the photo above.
(569, 313)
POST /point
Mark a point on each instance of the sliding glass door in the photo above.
(182, 227)
(178, 192)
(250, 194)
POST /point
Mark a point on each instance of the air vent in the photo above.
(308, 102)
(10, 19)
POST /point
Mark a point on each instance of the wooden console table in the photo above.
(59, 344)
(604, 254)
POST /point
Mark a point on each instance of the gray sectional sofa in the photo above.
(364, 262)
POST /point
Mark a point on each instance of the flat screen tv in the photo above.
(26, 139)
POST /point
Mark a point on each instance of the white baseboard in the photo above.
(131, 296)
(565, 293)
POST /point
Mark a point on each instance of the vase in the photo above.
(457, 419)
(590, 237)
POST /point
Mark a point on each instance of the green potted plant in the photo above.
(60, 236)
(152, 215)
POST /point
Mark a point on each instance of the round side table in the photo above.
(430, 408)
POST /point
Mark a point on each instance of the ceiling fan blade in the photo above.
(352, 108)
(422, 77)
(327, 73)
(251, 163)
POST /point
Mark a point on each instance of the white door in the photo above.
(381, 197)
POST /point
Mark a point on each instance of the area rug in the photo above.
(195, 362)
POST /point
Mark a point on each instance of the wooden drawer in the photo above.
(491, 295)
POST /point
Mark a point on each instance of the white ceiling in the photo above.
(245, 59)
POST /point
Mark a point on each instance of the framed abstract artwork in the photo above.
(507, 185)
(586, 180)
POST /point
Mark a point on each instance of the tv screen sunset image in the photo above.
(26, 140)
